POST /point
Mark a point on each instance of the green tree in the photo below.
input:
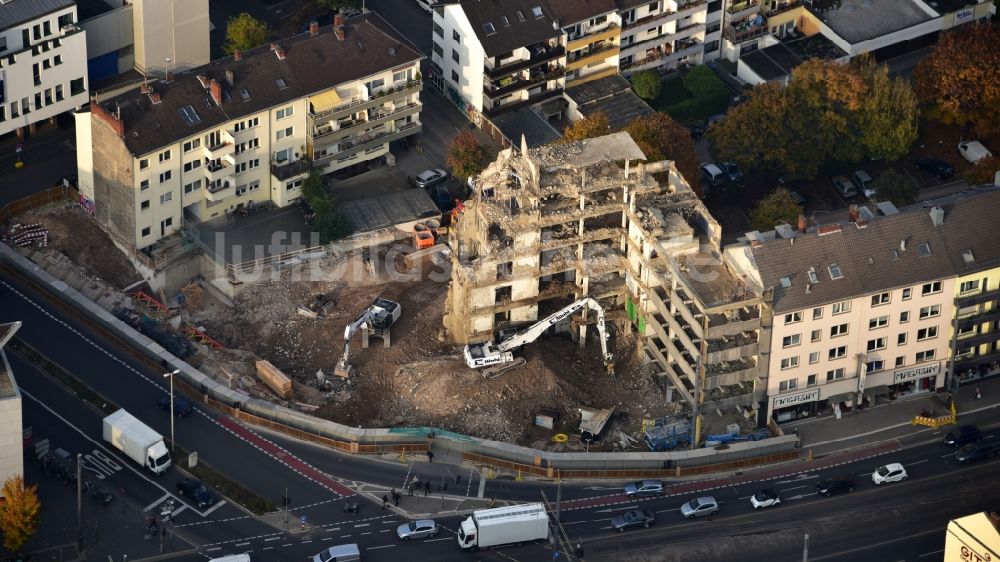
(889, 115)
(18, 513)
(661, 138)
(831, 94)
(960, 81)
(595, 125)
(775, 209)
(647, 84)
(314, 190)
(466, 156)
(330, 224)
(245, 32)
(899, 188)
(341, 5)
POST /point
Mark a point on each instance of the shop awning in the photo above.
(324, 101)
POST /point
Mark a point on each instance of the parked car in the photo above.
(865, 184)
(700, 507)
(765, 498)
(697, 131)
(644, 488)
(732, 171)
(711, 174)
(977, 451)
(892, 472)
(339, 553)
(423, 528)
(196, 492)
(430, 178)
(844, 187)
(973, 151)
(963, 435)
(937, 168)
(442, 198)
(181, 406)
(835, 485)
(634, 518)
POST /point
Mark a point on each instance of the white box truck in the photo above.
(137, 440)
(516, 524)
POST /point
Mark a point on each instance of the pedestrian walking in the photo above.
(427, 488)
(979, 392)
(395, 497)
(385, 501)
(430, 456)
(493, 501)
(409, 488)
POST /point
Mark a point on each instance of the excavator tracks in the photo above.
(494, 372)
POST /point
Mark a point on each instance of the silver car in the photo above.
(700, 507)
(424, 528)
(644, 488)
(430, 178)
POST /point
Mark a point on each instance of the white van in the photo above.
(973, 151)
(232, 558)
(339, 553)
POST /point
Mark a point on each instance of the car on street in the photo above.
(892, 472)
(732, 171)
(865, 184)
(765, 498)
(634, 518)
(834, 485)
(937, 168)
(844, 187)
(963, 435)
(421, 529)
(181, 406)
(430, 178)
(339, 553)
(442, 198)
(973, 151)
(700, 507)
(196, 492)
(977, 451)
(711, 174)
(644, 488)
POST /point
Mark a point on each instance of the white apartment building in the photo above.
(43, 62)
(246, 129)
(593, 36)
(664, 34)
(11, 422)
(864, 309)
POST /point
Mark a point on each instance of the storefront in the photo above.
(916, 380)
(788, 407)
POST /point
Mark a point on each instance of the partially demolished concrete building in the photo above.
(554, 224)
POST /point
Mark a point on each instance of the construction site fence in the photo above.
(415, 440)
(57, 194)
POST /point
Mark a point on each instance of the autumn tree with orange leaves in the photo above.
(18, 513)
(959, 83)
(594, 125)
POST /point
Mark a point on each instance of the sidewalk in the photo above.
(436, 503)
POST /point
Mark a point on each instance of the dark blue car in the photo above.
(181, 406)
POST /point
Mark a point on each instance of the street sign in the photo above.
(18, 148)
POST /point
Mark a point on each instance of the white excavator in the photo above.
(499, 358)
(378, 318)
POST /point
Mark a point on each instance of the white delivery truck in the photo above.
(137, 440)
(487, 528)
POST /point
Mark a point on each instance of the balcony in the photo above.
(782, 7)
(978, 297)
(606, 34)
(746, 30)
(539, 53)
(224, 146)
(580, 59)
(325, 138)
(356, 105)
(290, 169)
(220, 167)
(650, 20)
(507, 86)
(220, 189)
(741, 6)
(351, 147)
(532, 100)
(966, 322)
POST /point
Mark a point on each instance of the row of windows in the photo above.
(165, 224)
(838, 373)
(875, 323)
(875, 344)
(42, 99)
(879, 300)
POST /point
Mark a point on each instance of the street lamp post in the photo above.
(170, 376)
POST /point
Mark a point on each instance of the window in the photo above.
(876, 344)
(144, 206)
(838, 352)
(930, 288)
(165, 155)
(145, 232)
(925, 355)
(790, 362)
(3, 113)
(57, 60)
(144, 163)
(838, 330)
(284, 133)
(254, 185)
(924, 249)
(880, 322)
(880, 299)
(283, 155)
(280, 83)
(165, 176)
(536, 11)
(241, 167)
(241, 190)
(13, 110)
(968, 286)
(437, 49)
(400, 76)
(166, 197)
(875, 366)
(930, 311)
(454, 56)
(285, 112)
(454, 76)
(835, 375)
(901, 339)
(143, 185)
(192, 165)
(438, 30)
(841, 307)
(790, 384)
(36, 32)
(789, 341)
(811, 380)
(817, 313)
(901, 360)
(907, 293)
(816, 335)
(75, 86)
(455, 36)
(927, 333)
(793, 317)
(169, 221)
(59, 92)
(251, 164)
(191, 187)
(191, 145)
(46, 28)
(814, 357)
(293, 185)
(835, 272)
(904, 317)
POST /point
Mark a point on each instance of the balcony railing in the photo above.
(380, 117)
(533, 99)
(580, 58)
(288, 170)
(736, 7)
(605, 33)
(515, 85)
(782, 7)
(538, 55)
(745, 32)
(353, 146)
(359, 104)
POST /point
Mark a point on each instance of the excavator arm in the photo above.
(349, 332)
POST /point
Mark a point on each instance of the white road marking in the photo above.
(272, 539)
(441, 539)
(790, 489)
(362, 525)
(242, 543)
(931, 553)
(378, 547)
(916, 462)
(213, 508)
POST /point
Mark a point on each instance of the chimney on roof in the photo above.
(902, 245)
(803, 224)
(144, 89)
(313, 28)
(116, 124)
(338, 27)
(237, 55)
(229, 77)
(216, 89)
(280, 53)
(937, 215)
(853, 213)
(274, 46)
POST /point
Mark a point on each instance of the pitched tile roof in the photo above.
(521, 30)
(873, 259)
(311, 65)
(23, 11)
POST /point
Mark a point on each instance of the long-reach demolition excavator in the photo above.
(499, 357)
(378, 317)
